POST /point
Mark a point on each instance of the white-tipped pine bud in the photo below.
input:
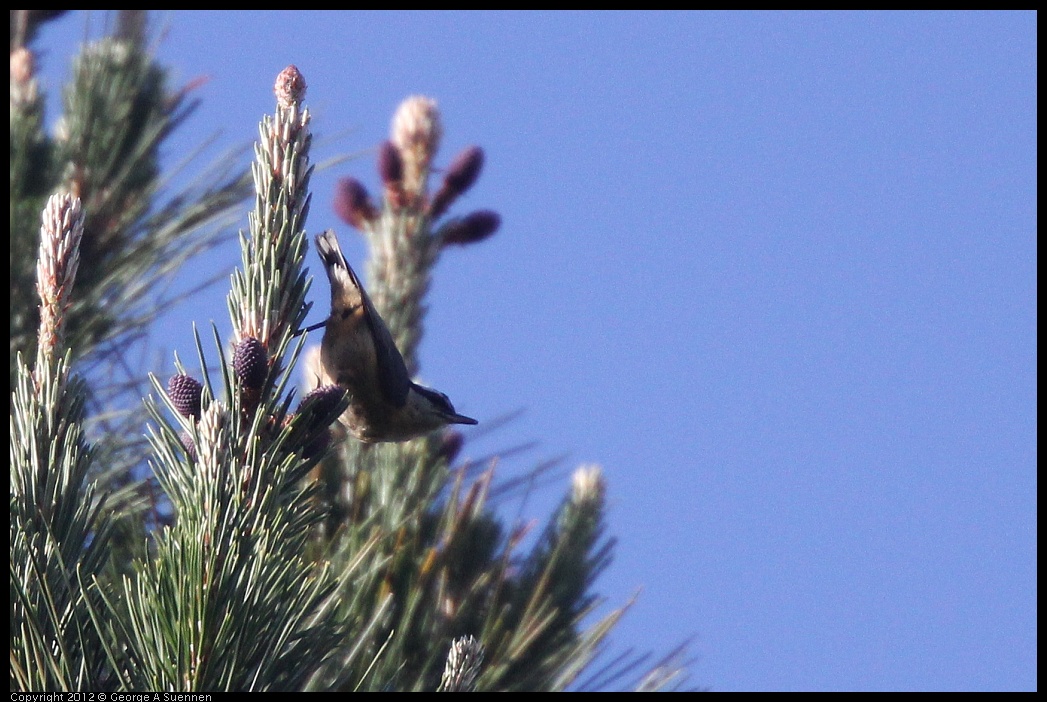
(416, 132)
(289, 87)
(22, 66)
(588, 484)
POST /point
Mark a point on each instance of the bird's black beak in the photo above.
(311, 327)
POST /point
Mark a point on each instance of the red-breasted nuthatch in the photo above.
(359, 354)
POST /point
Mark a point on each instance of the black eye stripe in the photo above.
(437, 398)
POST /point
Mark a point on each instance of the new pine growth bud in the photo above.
(22, 66)
(353, 204)
(416, 132)
(289, 87)
(390, 163)
(461, 175)
(474, 227)
(250, 362)
(465, 169)
(391, 171)
(185, 393)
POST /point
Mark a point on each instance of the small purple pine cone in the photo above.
(185, 392)
(250, 362)
(321, 401)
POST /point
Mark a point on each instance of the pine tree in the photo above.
(285, 555)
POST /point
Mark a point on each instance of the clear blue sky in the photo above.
(776, 273)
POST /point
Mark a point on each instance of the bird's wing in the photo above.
(392, 371)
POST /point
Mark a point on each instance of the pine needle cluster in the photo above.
(283, 555)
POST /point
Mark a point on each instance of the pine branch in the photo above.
(118, 111)
(229, 602)
(59, 528)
